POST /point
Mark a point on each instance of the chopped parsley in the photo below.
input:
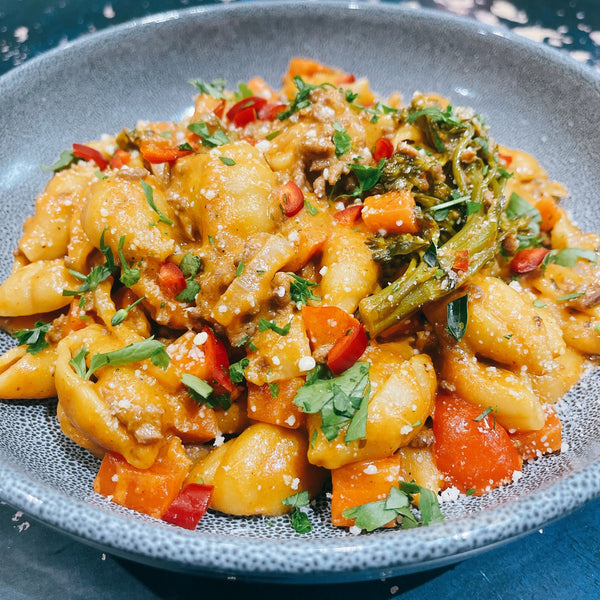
(129, 275)
(227, 161)
(237, 370)
(310, 208)
(202, 392)
(567, 257)
(341, 140)
(240, 268)
(301, 290)
(342, 401)
(299, 519)
(190, 265)
(373, 515)
(263, 325)
(66, 159)
(301, 99)
(215, 88)
(274, 389)
(34, 339)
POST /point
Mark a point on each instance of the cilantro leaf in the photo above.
(192, 288)
(567, 257)
(342, 401)
(34, 339)
(198, 388)
(370, 516)
(227, 161)
(297, 500)
(298, 519)
(190, 265)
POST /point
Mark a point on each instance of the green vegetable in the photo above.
(237, 370)
(214, 88)
(134, 352)
(129, 276)
(122, 313)
(341, 140)
(274, 389)
(299, 519)
(149, 194)
(218, 138)
(373, 515)
(342, 401)
(457, 316)
(567, 257)
(366, 176)
(227, 161)
(263, 325)
(301, 289)
(66, 159)
(190, 265)
(301, 99)
(34, 339)
(310, 208)
(78, 362)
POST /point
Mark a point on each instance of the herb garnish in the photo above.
(134, 352)
(367, 176)
(34, 339)
(341, 140)
(122, 313)
(202, 392)
(214, 88)
(149, 194)
(301, 290)
(66, 159)
(301, 99)
(263, 325)
(457, 315)
(376, 514)
(342, 401)
(299, 519)
(190, 265)
(218, 138)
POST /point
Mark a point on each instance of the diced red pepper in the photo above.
(527, 260)
(88, 153)
(190, 505)
(245, 111)
(157, 151)
(349, 215)
(461, 260)
(270, 111)
(171, 279)
(506, 158)
(291, 198)
(119, 159)
(219, 109)
(383, 149)
(217, 360)
(348, 349)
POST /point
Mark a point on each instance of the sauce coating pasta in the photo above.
(296, 289)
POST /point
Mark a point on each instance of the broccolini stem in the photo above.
(422, 284)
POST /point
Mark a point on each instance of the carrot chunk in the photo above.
(393, 212)
(362, 482)
(274, 403)
(548, 439)
(149, 491)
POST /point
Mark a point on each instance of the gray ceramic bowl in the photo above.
(532, 98)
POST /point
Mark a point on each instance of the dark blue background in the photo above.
(559, 562)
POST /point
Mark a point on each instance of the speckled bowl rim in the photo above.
(439, 544)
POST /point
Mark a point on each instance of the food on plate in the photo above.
(303, 291)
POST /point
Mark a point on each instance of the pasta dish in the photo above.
(303, 291)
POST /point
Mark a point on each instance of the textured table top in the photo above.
(560, 561)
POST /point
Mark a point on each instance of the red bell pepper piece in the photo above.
(87, 153)
(527, 260)
(189, 506)
(461, 260)
(119, 159)
(245, 111)
(270, 111)
(291, 198)
(349, 215)
(383, 149)
(171, 279)
(161, 151)
(347, 349)
(217, 360)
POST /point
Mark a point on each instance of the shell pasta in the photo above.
(302, 291)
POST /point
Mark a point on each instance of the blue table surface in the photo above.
(562, 560)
